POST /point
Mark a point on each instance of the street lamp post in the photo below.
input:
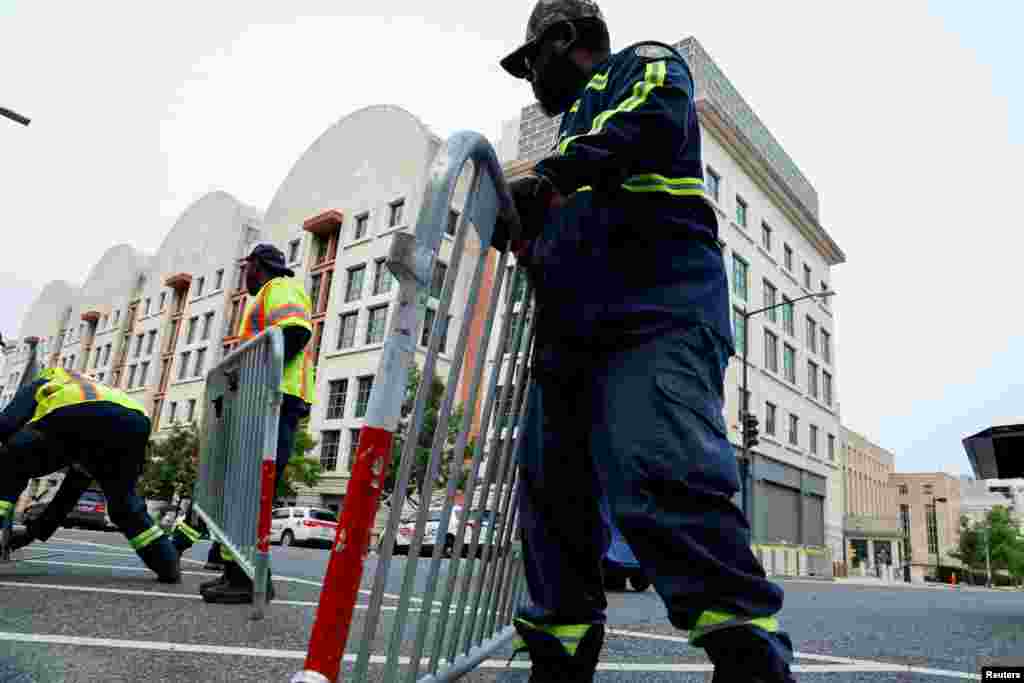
(746, 435)
(938, 545)
(14, 116)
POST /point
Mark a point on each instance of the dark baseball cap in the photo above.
(271, 258)
(547, 13)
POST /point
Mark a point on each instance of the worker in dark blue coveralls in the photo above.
(633, 338)
(64, 420)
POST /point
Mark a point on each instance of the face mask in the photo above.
(558, 81)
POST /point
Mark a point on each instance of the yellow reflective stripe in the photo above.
(190, 533)
(654, 76)
(713, 621)
(653, 182)
(146, 537)
(575, 107)
(225, 554)
(5, 508)
(569, 635)
(598, 82)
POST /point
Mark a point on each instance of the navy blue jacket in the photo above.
(635, 252)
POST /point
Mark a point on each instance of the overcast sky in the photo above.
(906, 116)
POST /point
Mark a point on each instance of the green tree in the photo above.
(417, 479)
(300, 468)
(971, 550)
(1001, 535)
(171, 465)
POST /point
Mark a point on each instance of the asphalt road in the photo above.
(82, 608)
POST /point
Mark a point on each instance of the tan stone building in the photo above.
(931, 523)
(871, 528)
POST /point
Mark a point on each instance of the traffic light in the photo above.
(750, 430)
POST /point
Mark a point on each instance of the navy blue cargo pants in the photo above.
(642, 426)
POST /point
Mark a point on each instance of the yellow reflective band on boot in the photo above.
(715, 621)
(226, 555)
(189, 533)
(654, 76)
(146, 537)
(5, 509)
(653, 182)
(569, 635)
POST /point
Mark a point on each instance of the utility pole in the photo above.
(988, 557)
(938, 544)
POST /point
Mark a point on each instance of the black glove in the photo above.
(19, 538)
(531, 195)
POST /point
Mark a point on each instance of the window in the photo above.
(200, 284)
(453, 222)
(812, 378)
(207, 324)
(96, 360)
(766, 237)
(106, 321)
(235, 324)
(100, 377)
(904, 489)
(933, 531)
(789, 363)
(739, 325)
(381, 277)
(138, 345)
(826, 346)
(183, 368)
(347, 330)
(172, 412)
(318, 340)
(314, 290)
(293, 251)
(148, 303)
(794, 426)
(771, 351)
(812, 335)
(788, 253)
(770, 294)
(106, 354)
(151, 342)
(831, 447)
(814, 439)
(163, 300)
(375, 325)
(905, 524)
(770, 411)
(192, 322)
(325, 296)
(336, 393)
(807, 276)
(741, 211)
(739, 277)
(191, 410)
(200, 362)
(354, 290)
(428, 323)
(713, 181)
(362, 224)
(353, 447)
(220, 280)
(438, 278)
(826, 388)
(143, 371)
(788, 319)
(442, 346)
(329, 449)
(743, 401)
(363, 395)
(395, 216)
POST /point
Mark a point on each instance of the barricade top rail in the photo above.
(497, 570)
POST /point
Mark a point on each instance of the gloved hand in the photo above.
(533, 196)
(19, 538)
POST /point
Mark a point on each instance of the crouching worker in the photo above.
(64, 420)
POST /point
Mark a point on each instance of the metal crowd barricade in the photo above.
(238, 443)
(437, 640)
(28, 374)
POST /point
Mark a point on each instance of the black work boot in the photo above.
(562, 653)
(206, 585)
(746, 653)
(236, 590)
(162, 558)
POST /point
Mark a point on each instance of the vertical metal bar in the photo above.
(491, 403)
(455, 563)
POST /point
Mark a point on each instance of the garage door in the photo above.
(782, 513)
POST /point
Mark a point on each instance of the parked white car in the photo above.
(295, 525)
(432, 532)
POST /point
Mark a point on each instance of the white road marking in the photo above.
(683, 639)
(487, 664)
(293, 579)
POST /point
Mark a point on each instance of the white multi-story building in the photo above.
(776, 250)
(978, 497)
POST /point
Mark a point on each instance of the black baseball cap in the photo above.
(271, 258)
(547, 13)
